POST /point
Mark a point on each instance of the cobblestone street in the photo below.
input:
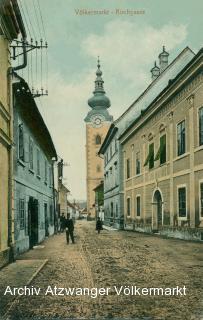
(114, 258)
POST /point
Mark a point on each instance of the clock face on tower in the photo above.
(97, 120)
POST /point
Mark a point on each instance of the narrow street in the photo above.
(114, 258)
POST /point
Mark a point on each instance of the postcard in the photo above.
(101, 160)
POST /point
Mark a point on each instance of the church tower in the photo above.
(98, 121)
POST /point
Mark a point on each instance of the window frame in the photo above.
(138, 197)
(161, 137)
(152, 156)
(179, 154)
(22, 217)
(136, 162)
(31, 154)
(38, 163)
(200, 144)
(98, 142)
(200, 206)
(21, 157)
(128, 206)
(128, 168)
(182, 186)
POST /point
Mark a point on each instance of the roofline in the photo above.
(99, 185)
(19, 18)
(171, 84)
(28, 93)
(110, 134)
(152, 83)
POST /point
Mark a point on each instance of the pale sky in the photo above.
(127, 46)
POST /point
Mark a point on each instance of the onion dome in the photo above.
(155, 71)
(99, 99)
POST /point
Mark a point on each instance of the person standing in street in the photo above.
(69, 229)
(62, 222)
(99, 225)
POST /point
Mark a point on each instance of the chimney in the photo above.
(163, 60)
(155, 71)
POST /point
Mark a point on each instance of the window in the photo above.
(128, 207)
(138, 167)
(116, 210)
(50, 176)
(21, 153)
(138, 208)
(98, 139)
(45, 171)
(181, 137)
(31, 154)
(98, 168)
(38, 162)
(151, 156)
(163, 149)
(22, 213)
(111, 209)
(201, 200)
(182, 202)
(128, 168)
(201, 126)
(51, 215)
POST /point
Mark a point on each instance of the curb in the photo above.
(16, 299)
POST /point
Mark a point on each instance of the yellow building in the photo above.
(98, 122)
(163, 159)
(10, 26)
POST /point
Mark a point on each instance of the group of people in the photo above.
(68, 225)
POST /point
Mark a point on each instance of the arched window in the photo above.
(98, 139)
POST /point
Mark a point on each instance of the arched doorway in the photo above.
(157, 211)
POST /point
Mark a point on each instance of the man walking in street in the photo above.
(69, 229)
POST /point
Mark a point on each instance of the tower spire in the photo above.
(99, 83)
(99, 99)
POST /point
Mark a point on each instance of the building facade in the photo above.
(97, 122)
(10, 27)
(34, 156)
(111, 148)
(163, 160)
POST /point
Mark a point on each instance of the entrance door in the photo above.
(46, 220)
(158, 208)
(33, 221)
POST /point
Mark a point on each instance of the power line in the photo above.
(36, 15)
(32, 28)
(41, 20)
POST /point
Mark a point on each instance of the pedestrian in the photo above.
(62, 222)
(69, 229)
(99, 225)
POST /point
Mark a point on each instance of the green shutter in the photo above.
(147, 160)
(157, 157)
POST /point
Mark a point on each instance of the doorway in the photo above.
(157, 213)
(33, 221)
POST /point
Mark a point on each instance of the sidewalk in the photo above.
(17, 274)
(109, 228)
